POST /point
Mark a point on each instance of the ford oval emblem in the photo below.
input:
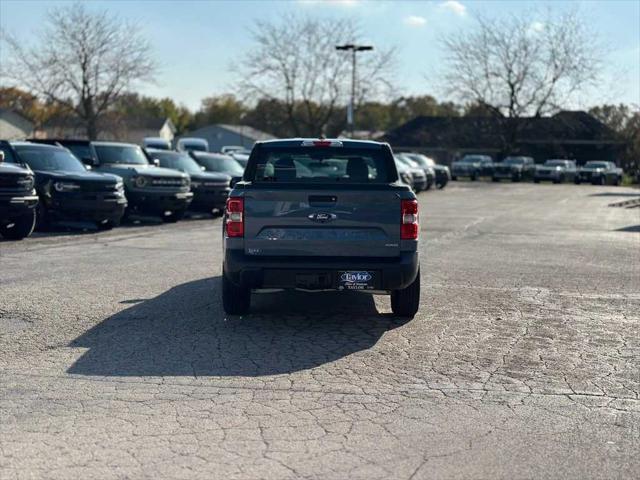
(322, 217)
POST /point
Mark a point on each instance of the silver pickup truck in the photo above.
(318, 215)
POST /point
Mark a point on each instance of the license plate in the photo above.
(356, 280)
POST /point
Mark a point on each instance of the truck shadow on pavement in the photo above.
(184, 332)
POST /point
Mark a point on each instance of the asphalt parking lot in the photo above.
(116, 360)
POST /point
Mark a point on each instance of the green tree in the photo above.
(136, 108)
(269, 115)
(220, 109)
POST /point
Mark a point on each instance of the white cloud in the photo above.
(414, 21)
(455, 7)
(536, 27)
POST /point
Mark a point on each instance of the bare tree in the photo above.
(515, 67)
(83, 61)
(295, 61)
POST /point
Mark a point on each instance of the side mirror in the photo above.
(202, 168)
(155, 162)
(88, 167)
(89, 161)
(1, 156)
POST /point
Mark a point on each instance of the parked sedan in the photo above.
(427, 170)
(600, 173)
(514, 169)
(210, 189)
(216, 162)
(68, 191)
(556, 171)
(442, 172)
(472, 166)
(405, 173)
(420, 179)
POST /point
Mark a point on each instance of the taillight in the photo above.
(235, 217)
(409, 227)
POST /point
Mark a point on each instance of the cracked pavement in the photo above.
(116, 360)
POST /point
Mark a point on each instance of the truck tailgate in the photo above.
(323, 222)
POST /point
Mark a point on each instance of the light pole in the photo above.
(351, 110)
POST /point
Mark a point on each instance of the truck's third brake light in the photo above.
(322, 143)
(409, 228)
(235, 217)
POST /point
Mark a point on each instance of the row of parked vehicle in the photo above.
(421, 172)
(519, 168)
(44, 181)
(194, 144)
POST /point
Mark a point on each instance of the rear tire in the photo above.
(406, 302)
(536, 181)
(22, 227)
(442, 185)
(454, 178)
(473, 178)
(235, 300)
(494, 179)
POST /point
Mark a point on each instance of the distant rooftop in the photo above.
(478, 132)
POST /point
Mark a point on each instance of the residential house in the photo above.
(14, 126)
(130, 130)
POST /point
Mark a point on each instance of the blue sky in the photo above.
(197, 42)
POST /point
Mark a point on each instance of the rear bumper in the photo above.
(280, 272)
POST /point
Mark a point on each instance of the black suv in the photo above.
(210, 189)
(150, 189)
(18, 199)
(67, 190)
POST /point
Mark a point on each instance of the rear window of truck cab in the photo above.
(343, 165)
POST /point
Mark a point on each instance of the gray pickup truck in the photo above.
(318, 215)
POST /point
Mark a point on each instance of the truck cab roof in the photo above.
(326, 142)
